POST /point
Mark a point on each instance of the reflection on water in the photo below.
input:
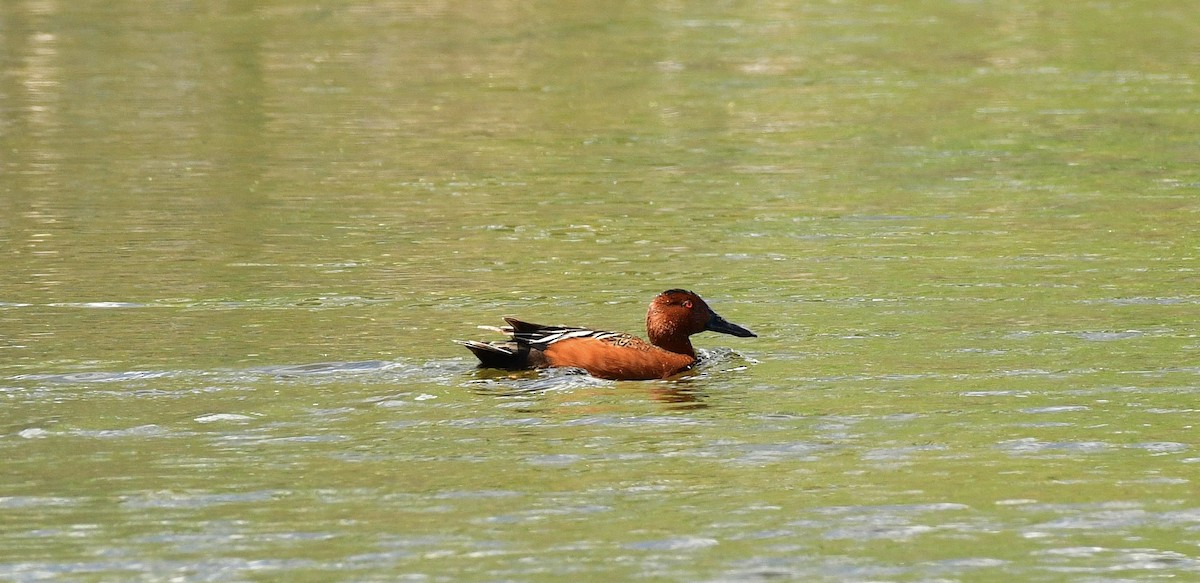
(386, 450)
(238, 237)
(340, 368)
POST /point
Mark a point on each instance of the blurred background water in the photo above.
(239, 236)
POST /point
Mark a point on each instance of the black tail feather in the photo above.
(505, 355)
(522, 327)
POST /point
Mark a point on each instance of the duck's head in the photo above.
(677, 313)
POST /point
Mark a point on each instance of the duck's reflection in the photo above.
(574, 388)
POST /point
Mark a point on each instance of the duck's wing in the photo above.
(541, 336)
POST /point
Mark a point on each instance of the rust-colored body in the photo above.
(608, 361)
(674, 316)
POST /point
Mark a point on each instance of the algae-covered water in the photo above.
(238, 238)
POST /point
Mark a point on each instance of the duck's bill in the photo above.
(719, 324)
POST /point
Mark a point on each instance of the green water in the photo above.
(237, 239)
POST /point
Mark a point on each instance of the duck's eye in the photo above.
(687, 304)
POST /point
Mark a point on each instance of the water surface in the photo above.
(239, 237)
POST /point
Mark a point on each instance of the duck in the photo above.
(672, 318)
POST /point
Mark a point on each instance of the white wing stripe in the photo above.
(544, 338)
